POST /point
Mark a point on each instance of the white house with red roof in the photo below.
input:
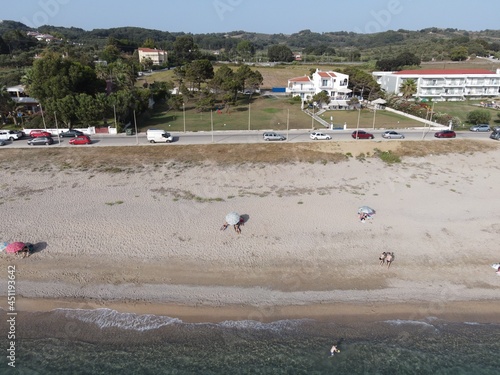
(158, 56)
(444, 84)
(333, 83)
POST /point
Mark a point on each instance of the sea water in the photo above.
(104, 341)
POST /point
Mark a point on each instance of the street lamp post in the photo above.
(136, 133)
(43, 117)
(57, 127)
(184, 115)
(248, 116)
(357, 124)
(374, 113)
(312, 119)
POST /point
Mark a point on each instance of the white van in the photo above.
(158, 135)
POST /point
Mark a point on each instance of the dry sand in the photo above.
(149, 240)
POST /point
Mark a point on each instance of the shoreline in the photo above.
(459, 312)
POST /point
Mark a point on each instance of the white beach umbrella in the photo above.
(233, 218)
(366, 210)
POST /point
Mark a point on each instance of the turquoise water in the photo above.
(107, 342)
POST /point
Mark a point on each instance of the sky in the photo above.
(260, 16)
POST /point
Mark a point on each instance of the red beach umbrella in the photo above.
(14, 247)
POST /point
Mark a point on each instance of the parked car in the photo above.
(9, 135)
(70, 133)
(39, 133)
(80, 140)
(319, 135)
(495, 135)
(391, 134)
(445, 134)
(480, 128)
(361, 134)
(40, 141)
(271, 136)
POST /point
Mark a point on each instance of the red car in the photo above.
(80, 140)
(39, 133)
(361, 134)
(445, 134)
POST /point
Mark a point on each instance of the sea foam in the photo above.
(107, 318)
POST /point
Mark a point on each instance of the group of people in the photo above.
(386, 258)
(363, 216)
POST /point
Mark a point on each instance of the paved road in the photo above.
(227, 137)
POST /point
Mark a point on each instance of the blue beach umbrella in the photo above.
(3, 245)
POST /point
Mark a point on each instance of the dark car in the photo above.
(445, 134)
(80, 140)
(39, 133)
(495, 135)
(361, 134)
(40, 141)
(70, 133)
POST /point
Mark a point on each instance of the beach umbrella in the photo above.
(14, 247)
(366, 210)
(3, 245)
(233, 218)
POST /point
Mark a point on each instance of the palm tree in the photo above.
(408, 88)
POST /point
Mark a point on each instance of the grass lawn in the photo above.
(264, 113)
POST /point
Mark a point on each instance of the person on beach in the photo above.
(334, 350)
(389, 259)
(237, 228)
(382, 258)
(224, 226)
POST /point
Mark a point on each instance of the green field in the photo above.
(267, 112)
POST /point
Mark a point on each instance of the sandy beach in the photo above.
(149, 240)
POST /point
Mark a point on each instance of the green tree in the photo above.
(362, 82)
(198, 72)
(245, 49)
(280, 52)
(460, 53)
(321, 98)
(149, 43)
(479, 116)
(87, 109)
(408, 88)
(184, 50)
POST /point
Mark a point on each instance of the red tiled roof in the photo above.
(444, 71)
(150, 50)
(327, 74)
(300, 79)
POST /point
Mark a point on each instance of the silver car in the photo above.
(272, 136)
(480, 128)
(391, 134)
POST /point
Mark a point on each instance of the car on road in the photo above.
(40, 141)
(480, 128)
(495, 135)
(272, 136)
(319, 135)
(445, 134)
(70, 133)
(361, 134)
(80, 140)
(9, 135)
(39, 133)
(391, 134)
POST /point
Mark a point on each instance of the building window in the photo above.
(324, 82)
